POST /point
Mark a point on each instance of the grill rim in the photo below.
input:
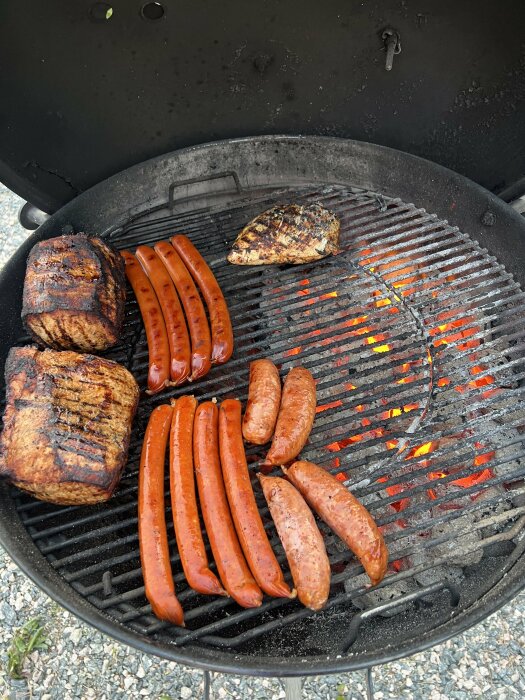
(13, 534)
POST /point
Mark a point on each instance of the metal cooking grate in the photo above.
(415, 336)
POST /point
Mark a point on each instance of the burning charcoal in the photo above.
(445, 572)
(394, 590)
(461, 536)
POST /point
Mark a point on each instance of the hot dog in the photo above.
(264, 399)
(153, 538)
(184, 502)
(231, 564)
(248, 523)
(193, 308)
(301, 539)
(343, 513)
(179, 341)
(296, 417)
(221, 327)
(157, 337)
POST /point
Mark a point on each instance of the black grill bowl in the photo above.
(423, 218)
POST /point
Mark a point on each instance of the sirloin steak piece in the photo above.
(67, 424)
(74, 293)
(292, 233)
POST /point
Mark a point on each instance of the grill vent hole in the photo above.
(152, 11)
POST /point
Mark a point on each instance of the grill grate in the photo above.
(415, 337)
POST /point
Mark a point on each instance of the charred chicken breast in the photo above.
(74, 293)
(292, 233)
(67, 424)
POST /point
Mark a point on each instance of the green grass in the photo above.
(29, 637)
(341, 690)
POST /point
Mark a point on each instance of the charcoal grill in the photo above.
(415, 336)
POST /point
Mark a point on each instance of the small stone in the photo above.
(186, 692)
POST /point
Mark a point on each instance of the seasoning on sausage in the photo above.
(221, 327)
(157, 337)
(193, 308)
(264, 399)
(184, 502)
(179, 341)
(231, 564)
(303, 543)
(343, 513)
(248, 523)
(296, 417)
(153, 537)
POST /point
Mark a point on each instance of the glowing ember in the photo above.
(327, 406)
(421, 450)
(293, 351)
(328, 295)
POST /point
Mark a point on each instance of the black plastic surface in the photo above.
(90, 88)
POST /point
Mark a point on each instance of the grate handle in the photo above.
(199, 192)
(353, 628)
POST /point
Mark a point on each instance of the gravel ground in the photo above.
(487, 661)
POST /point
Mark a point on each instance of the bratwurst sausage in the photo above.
(343, 513)
(153, 537)
(248, 523)
(296, 417)
(264, 399)
(303, 543)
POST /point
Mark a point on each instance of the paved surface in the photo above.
(487, 661)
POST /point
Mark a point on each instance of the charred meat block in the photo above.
(292, 233)
(67, 424)
(74, 293)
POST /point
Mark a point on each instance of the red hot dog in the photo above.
(221, 327)
(153, 537)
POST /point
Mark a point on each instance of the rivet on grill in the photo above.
(488, 218)
(107, 584)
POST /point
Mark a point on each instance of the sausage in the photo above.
(193, 308)
(184, 502)
(301, 539)
(153, 538)
(343, 513)
(248, 523)
(264, 398)
(221, 326)
(178, 338)
(296, 417)
(156, 334)
(231, 564)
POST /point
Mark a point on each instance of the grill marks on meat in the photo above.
(291, 233)
(74, 293)
(67, 424)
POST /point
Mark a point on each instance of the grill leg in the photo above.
(293, 687)
(369, 685)
(206, 694)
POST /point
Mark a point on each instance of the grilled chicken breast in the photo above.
(74, 293)
(67, 424)
(292, 233)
